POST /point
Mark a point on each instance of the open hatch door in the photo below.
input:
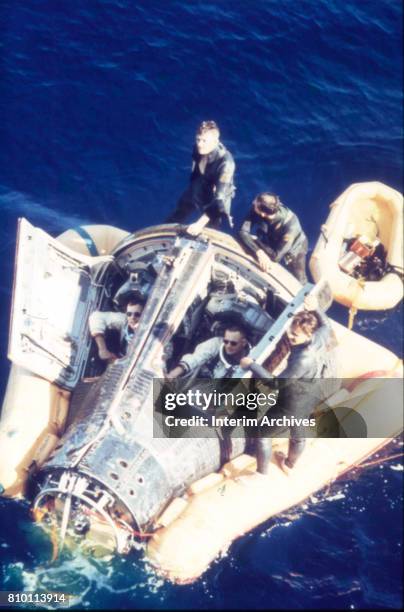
(55, 289)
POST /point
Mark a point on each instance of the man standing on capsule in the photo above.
(211, 188)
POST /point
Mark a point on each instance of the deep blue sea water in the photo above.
(99, 102)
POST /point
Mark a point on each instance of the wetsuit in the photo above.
(311, 363)
(211, 188)
(280, 237)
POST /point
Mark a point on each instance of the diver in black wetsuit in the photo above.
(273, 232)
(308, 348)
(211, 188)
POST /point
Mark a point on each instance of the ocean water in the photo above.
(99, 103)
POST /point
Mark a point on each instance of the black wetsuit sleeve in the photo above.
(195, 161)
(250, 241)
(288, 235)
(302, 365)
(246, 236)
(223, 185)
(303, 361)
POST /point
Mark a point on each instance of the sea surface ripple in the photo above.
(99, 104)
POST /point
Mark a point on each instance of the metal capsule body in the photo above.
(111, 476)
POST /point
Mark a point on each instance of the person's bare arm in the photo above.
(247, 363)
(175, 372)
(195, 228)
(103, 352)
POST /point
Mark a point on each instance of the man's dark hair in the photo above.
(206, 126)
(135, 301)
(267, 202)
(236, 328)
(307, 320)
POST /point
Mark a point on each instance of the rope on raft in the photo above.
(363, 465)
(360, 285)
(377, 461)
(352, 314)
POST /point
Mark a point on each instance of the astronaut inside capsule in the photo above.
(224, 305)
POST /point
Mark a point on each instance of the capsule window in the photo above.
(140, 480)
(114, 475)
(123, 463)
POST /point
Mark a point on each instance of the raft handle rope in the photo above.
(378, 461)
(362, 465)
(393, 373)
(353, 310)
(394, 269)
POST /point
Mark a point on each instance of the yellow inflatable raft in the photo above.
(34, 411)
(374, 211)
(196, 527)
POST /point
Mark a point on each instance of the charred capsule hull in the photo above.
(124, 471)
(125, 480)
